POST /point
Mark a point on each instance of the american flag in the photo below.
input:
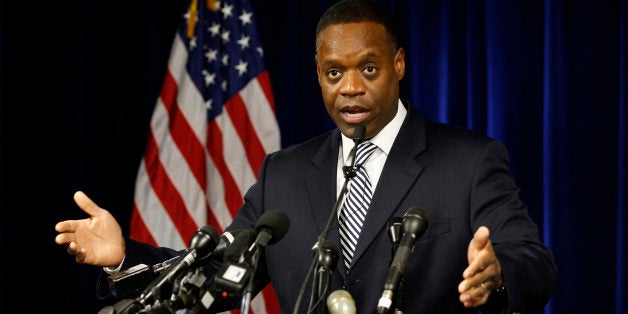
(212, 125)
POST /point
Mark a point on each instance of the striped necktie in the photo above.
(357, 203)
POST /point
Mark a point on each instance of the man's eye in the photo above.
(333, 73)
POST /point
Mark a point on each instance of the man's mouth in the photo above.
(354, 116)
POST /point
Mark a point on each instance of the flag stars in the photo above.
(244, 42)
(187, 16)
(210, 78)
(211, 55)
(225, 36)
(227, 11)
(245, 17)
(241, 67)
(222, 43)
(214, 30)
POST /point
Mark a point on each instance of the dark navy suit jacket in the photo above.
(461, 179)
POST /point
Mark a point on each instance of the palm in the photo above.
(96, 240)
(100, 235)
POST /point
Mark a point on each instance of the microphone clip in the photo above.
(350, 171)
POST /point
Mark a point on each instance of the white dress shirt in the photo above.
(374, 165)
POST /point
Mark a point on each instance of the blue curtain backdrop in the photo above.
(548, 78)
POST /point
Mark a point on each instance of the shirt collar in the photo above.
(384, 139)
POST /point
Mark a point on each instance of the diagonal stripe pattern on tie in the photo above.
(357, 203)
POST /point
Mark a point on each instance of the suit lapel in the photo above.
(399, 174)
(321, 188)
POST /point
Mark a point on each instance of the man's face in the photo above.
(359, 74)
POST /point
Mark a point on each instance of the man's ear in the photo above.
(318, 69)
(400, 63)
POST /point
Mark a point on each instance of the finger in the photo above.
(66, 226)
(64, 238)
(480, 238)
(80, 258)
(86, 203)
(475, 284)
(470, 284)
(479, 296)
(478, 244)
(487, 276)
(475, 296)
(61, 226)
(474, 292)
(73, 248)
(476, 301)
(478, 265)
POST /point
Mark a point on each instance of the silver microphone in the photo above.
(340, 302)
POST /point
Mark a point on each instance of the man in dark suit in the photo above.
(480, 251)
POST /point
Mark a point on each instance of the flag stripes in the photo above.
(212, 126)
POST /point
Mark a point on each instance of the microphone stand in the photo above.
(414, 224)
(327, 260)
(124, 306)
(398, 309)
(395, 225)
(349, 172)
(248, 290)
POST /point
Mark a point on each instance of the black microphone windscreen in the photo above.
(241, 243)
(329, 254)
(225, 241)
(359, 132)
(204, 241)
(275, 220)
(415, 220)
(208, 229)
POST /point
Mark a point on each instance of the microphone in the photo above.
(122, 306)
(358, 137)
(133, 279)
(271, 227)
(340, 302)
(201, 245)
(196, 291)
(327, 258)
(227, 239)
(414, 225)
(359, 132)
(394, 233)
(240, 245)
(229, 280)
(235, 278)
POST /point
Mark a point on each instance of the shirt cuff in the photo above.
(112, 271)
